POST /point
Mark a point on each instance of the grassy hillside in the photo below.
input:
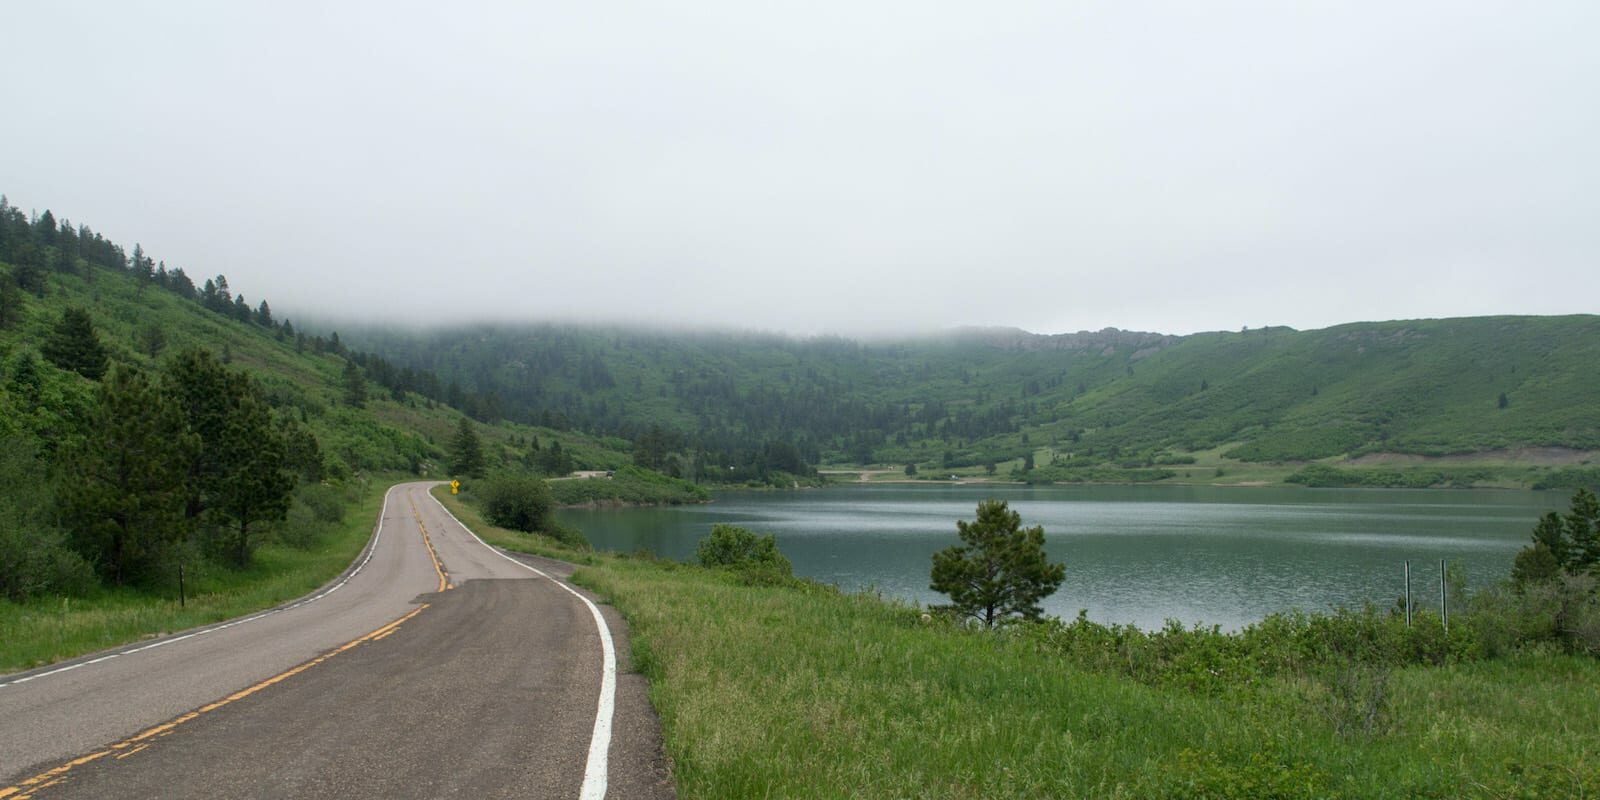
(1113, 400)
(56, 600)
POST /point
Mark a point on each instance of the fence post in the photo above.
(1408, 593)
(1444, 598)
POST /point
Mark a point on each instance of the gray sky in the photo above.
(849, 167)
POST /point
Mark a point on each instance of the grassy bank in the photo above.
(801, 691)
(767, 691)
(627, 486)
(47, 630)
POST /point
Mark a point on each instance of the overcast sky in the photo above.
(849, 167)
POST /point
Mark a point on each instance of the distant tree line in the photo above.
(686, 401)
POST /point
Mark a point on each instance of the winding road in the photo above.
(437, 666)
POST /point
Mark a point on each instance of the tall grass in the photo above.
(806, 692)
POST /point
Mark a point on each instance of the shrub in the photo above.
(39, 562)
(519, 502)
(523, 503)
(326, 502)
(755, 558)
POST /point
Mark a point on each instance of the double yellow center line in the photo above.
(444, 577)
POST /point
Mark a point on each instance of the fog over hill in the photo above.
(830, 166)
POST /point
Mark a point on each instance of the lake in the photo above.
(1139, 554)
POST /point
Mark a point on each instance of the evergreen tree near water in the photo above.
(1567, 543)
(1000, 568)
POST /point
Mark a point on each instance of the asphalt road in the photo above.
(440, 668)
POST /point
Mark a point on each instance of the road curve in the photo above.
(441, 667)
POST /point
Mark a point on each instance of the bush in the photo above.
(520, 502)
(39, 562)
(755, 558)
(325, 502)
(629, 485)
(524, 503)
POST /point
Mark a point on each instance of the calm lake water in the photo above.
(1140, 554)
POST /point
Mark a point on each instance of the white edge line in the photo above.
(377, 534)
(594, 771)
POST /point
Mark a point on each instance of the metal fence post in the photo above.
(1408, 593)
(1444, 598)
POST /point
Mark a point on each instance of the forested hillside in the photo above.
(146, 423)
(984, 396)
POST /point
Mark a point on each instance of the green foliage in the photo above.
(73, 345)
(755, 558)
(240, 470)
(716, 400)
(1322, 476)
(1562, 544)
(1058, 473)
(629, 485)
(999, 569)
(35, 557)
(36, 560)
(1535, 564)
(1302, 444)
(47, 629)
(254, 486)
(1570, 478)
(466, 452)
(767, 691)
(1245, 774)
(12, 309)
(355, 386)
(553, 460)
(518, 502)
(129, 478)
(1322, 648)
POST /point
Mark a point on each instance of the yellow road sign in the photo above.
(455, 487)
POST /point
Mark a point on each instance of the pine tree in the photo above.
(1583, 531)
(143, 268)
(466, 451)
(1000, 569)
(355, 386)
(29, 273)
(154, 339)
(75, 346)
(130, 477)
(554, 461)
(239, 474)
(253, 485)
(10, 304)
